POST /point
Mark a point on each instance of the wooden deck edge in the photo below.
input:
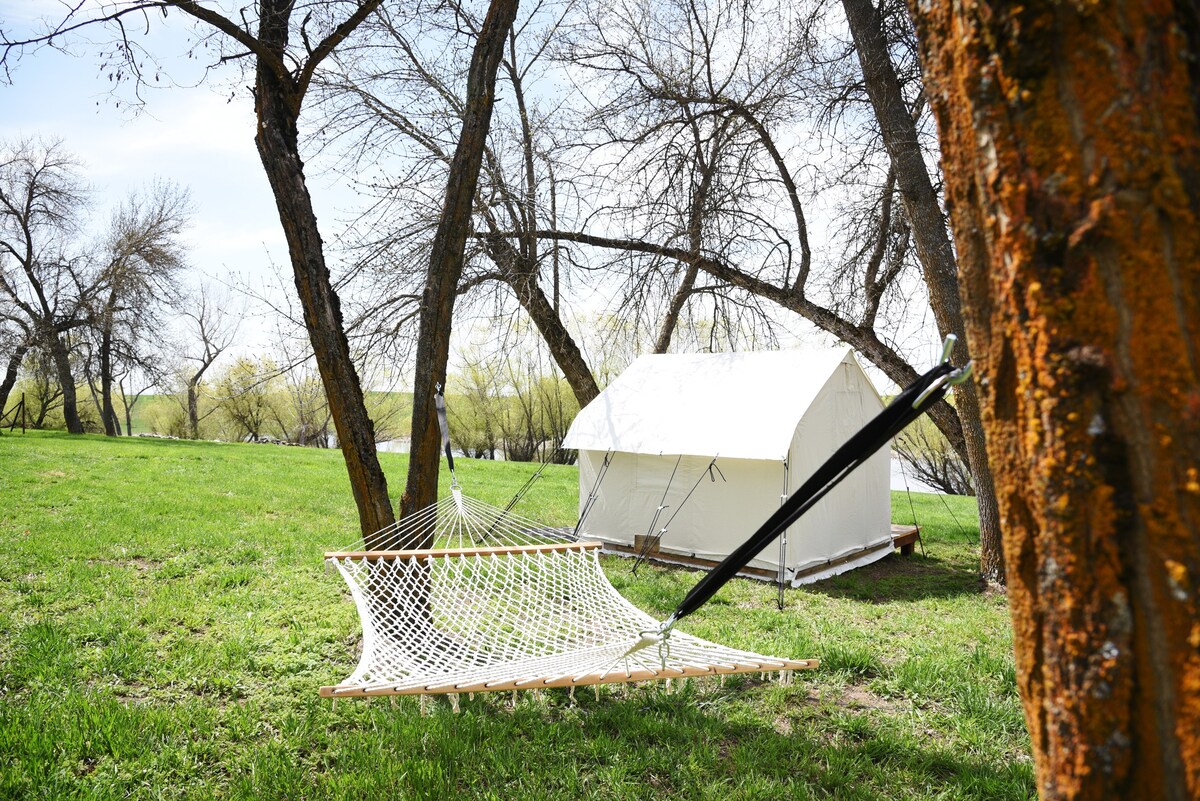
(905, 538)
(537, 683)
(458, 552)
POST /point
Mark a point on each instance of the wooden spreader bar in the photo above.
(458, 552)
(535, 683)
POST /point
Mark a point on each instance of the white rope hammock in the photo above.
(502, 603)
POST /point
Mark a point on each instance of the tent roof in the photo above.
(734, 405)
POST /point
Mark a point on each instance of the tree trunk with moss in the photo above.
(1071, 144)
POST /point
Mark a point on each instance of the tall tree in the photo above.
(446, 255)
(898, 130)
(396, 101)
(210, 322)
(142, 255)
(42, 197)
(285, 45)
(725, 69)
(1071, 144)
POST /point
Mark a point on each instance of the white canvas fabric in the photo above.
(737, 405)
(770, 419)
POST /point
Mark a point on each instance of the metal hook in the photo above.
(953, 378)
(948, 347)
(950, 379)
(961, 375)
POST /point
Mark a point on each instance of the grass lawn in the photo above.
(166, 620)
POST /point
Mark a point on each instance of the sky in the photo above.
(200, 137)
(196, 134)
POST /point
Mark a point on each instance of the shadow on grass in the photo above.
(903, 578)
(647, 745)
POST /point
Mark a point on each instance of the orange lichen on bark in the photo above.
(1071, 144)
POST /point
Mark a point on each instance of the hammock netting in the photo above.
(494, 601)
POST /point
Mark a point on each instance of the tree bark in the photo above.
(66, 380)
(558, 339)
(934, 251)
(670, 320)
(522, 277)
(446, 258)
(1071, 141)
(10, 374)
(193, 409)
(277, 106)
(107, 413)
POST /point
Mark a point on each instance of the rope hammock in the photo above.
(494, 601)
(502, 603)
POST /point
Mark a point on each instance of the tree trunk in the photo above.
(193, 409)
(558, 339)
(66, 380)
(934, 251)
(670, 320)
(128, 405)
(446, 257)
(277, 109)
(1071, 144)
(10, 374)
(107, 413)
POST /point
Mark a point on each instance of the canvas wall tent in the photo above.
(770, 419)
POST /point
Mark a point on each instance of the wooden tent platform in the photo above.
(904, 538)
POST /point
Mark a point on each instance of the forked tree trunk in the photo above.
(1071, 143)
(936, 254)
(446, 258)
(277, 107)
(66, 380)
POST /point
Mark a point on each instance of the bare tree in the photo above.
(446, 255)
(931, 236)
(285, 45)
(211, 326)
(142, 255)
(375, 100)
(42, 197)
(924, 450)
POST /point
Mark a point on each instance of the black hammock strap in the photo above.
(913, 401)
(439, 403)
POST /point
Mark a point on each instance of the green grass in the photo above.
(165, 622)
